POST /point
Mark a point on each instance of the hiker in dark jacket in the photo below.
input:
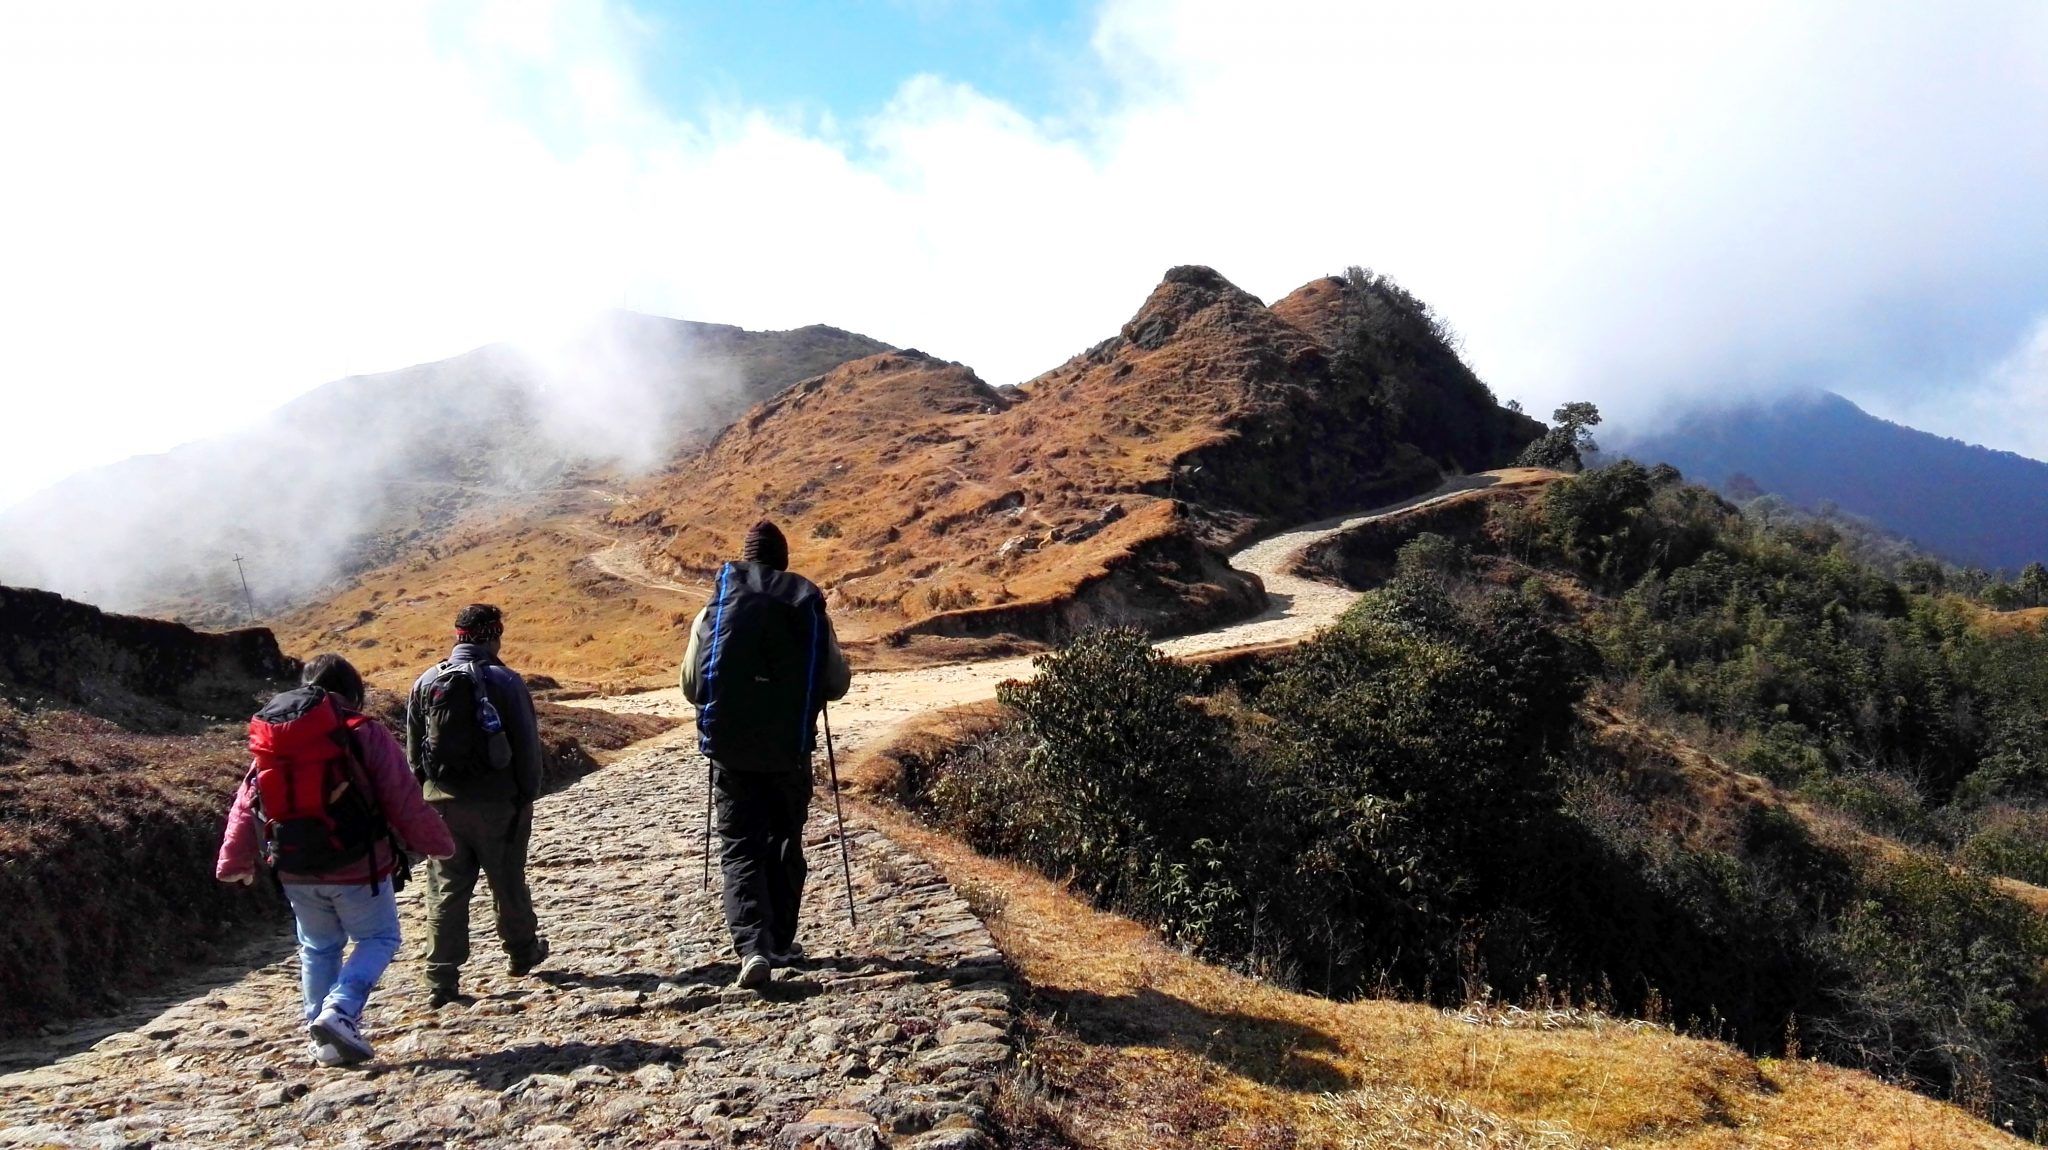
(761, 663)
(484, 783)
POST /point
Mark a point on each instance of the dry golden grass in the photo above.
(913, 490)
(564, 616)
(1137, 1045)
(2026, 620)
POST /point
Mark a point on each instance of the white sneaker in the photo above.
(323, 1054)
(790, 957)
(339, 1031)
(754, 972)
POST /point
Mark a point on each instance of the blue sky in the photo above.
(216, 205)
(847, 60)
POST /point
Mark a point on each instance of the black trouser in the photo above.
(490, 838)
(761, 822)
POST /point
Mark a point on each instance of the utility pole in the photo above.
(246, 597)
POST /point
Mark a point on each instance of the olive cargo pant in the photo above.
(490, 839)
(761, 828)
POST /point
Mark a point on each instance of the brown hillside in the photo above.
(909, 487)
(938, 511)
(1103, 489)
(375, 470)
(1316, 307)
(2025, 620)
(566, 616)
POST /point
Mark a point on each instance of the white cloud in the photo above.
(2011, 396)
(215, 205)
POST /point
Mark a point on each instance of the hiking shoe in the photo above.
(754, 972)
(339, 1031)
(790, 957)
(441, 996)
(323, 1054)
(538, 955)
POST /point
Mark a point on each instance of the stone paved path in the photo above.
(630, 1035)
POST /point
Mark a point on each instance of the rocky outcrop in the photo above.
(130, 668)
(1163, 584)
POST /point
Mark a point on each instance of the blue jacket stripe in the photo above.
(711, 661)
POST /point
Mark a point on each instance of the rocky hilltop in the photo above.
(1106, 490)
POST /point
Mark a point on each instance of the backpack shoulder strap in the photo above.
(359, 778)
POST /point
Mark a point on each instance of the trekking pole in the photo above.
(839, 812)
(708, 788)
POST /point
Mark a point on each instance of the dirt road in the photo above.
(882, 700)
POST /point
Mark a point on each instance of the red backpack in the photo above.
(317, 814)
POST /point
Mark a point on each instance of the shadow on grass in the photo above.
(1270, 1051)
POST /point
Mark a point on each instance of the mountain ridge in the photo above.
(367, 469)
(945, 515)
(1973, 505)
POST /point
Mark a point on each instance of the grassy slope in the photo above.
(1136, 1045)
(565, 617)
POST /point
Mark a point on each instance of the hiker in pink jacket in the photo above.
(330, 823)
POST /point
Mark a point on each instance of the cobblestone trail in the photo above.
(890, 1034)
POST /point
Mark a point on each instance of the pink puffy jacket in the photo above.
(418, 825)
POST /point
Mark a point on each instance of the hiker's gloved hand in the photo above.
(245, 878)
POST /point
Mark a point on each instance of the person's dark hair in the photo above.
(766, 546)
(480, 621)
(335, 675)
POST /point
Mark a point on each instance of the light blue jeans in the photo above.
(331, 915)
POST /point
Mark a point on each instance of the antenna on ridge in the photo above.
(246, 597)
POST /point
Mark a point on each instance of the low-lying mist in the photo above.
(360, 470)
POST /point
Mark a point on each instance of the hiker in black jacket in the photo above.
(762, 662)
(478, 759)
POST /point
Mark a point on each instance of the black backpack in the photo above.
(464, 736)
(760, 669)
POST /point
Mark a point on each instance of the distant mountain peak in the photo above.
(1969, 504)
